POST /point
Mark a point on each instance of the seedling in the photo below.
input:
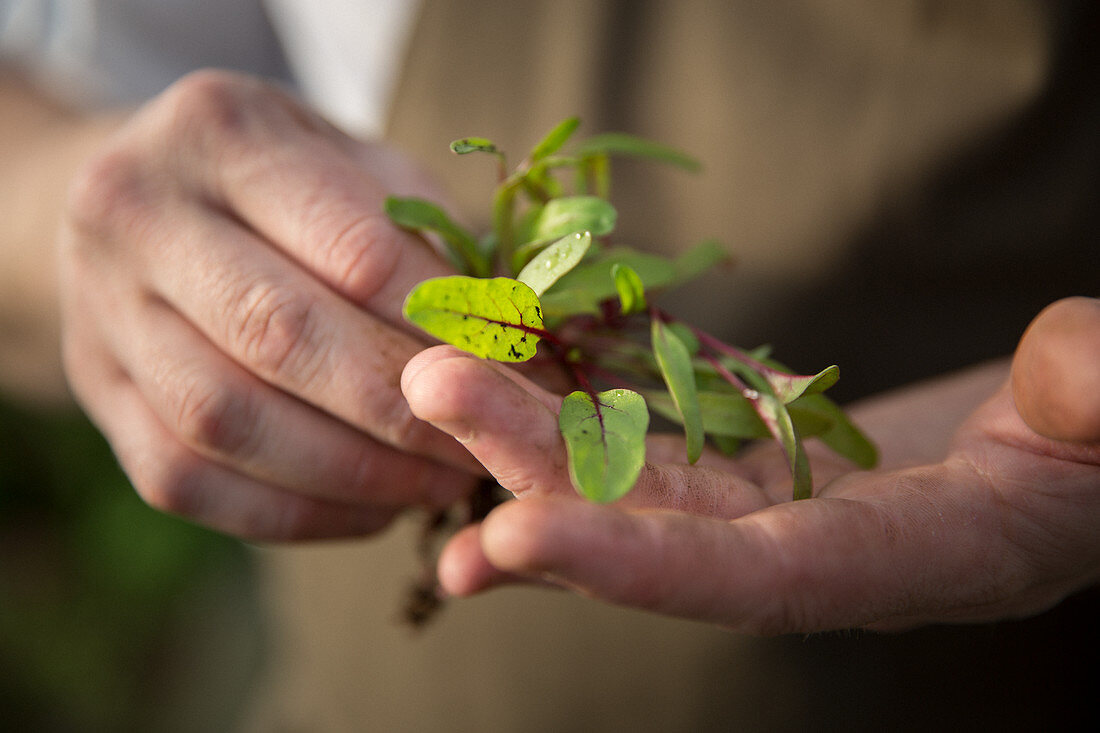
(547, 283)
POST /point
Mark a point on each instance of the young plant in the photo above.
(547, 274)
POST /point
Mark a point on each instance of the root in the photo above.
(423, 601)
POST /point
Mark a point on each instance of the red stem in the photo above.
(715, 344)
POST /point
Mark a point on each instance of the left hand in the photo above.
(999, 522)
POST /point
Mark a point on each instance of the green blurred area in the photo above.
(113, 617)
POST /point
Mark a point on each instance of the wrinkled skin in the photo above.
(999, 522)
(231, 307)
(231, 295)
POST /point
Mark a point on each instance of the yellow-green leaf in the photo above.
(554, 261)
(494, 318)
(555, 139)
(630, 287)
(474, 145)
(569, 214)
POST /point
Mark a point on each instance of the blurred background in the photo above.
(113, 616)
(840, 135)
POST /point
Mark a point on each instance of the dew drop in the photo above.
(750, 394)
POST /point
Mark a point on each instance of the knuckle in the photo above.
(279, 333)
(168, 480)
(107, 195)
(209, 102)
(362, 254)
(216, 416)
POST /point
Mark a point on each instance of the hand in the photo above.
(1002, 523)
(231, 297)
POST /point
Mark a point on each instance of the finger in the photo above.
(174, 479)
(501, 424)
(293, 179)
(1056, 372)
(670, 563)
(510, 425)
(463, 569)
(799, 567)
(289, 330)
(264, 311)
(224, 413)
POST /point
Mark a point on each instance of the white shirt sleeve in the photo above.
(346, 55)
(108, 52)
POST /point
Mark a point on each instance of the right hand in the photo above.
(231, 295)
(993, 518)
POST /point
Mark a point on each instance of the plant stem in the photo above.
(503, 207)
(618, 380)
(746, 391)
(722, 347)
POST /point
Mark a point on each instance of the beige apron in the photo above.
(902, 184)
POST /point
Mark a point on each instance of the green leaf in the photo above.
(780, 380)
(494, 318)
(504, 206)
(674, 361)
(729, 446)
(605, 441)
(775, 415)
(424, 216)
(595, 171)
(581, 290)
(586, 285)
(789, 387)
(570, 214)
(631, 290)
(540, 183)
(474, 145)
(525, 230)
(487, 246)
(724, 414)
(729, 415)
(554, 261)
(699, 259)
(615, 143)
(809, 422)
(563, 304)
(842, 436)
(555, 139)
(683, 332)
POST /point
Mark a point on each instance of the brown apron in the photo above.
(903, 185)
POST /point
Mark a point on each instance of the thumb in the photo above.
(510, 424)
(506, 421)
(1056, 372)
